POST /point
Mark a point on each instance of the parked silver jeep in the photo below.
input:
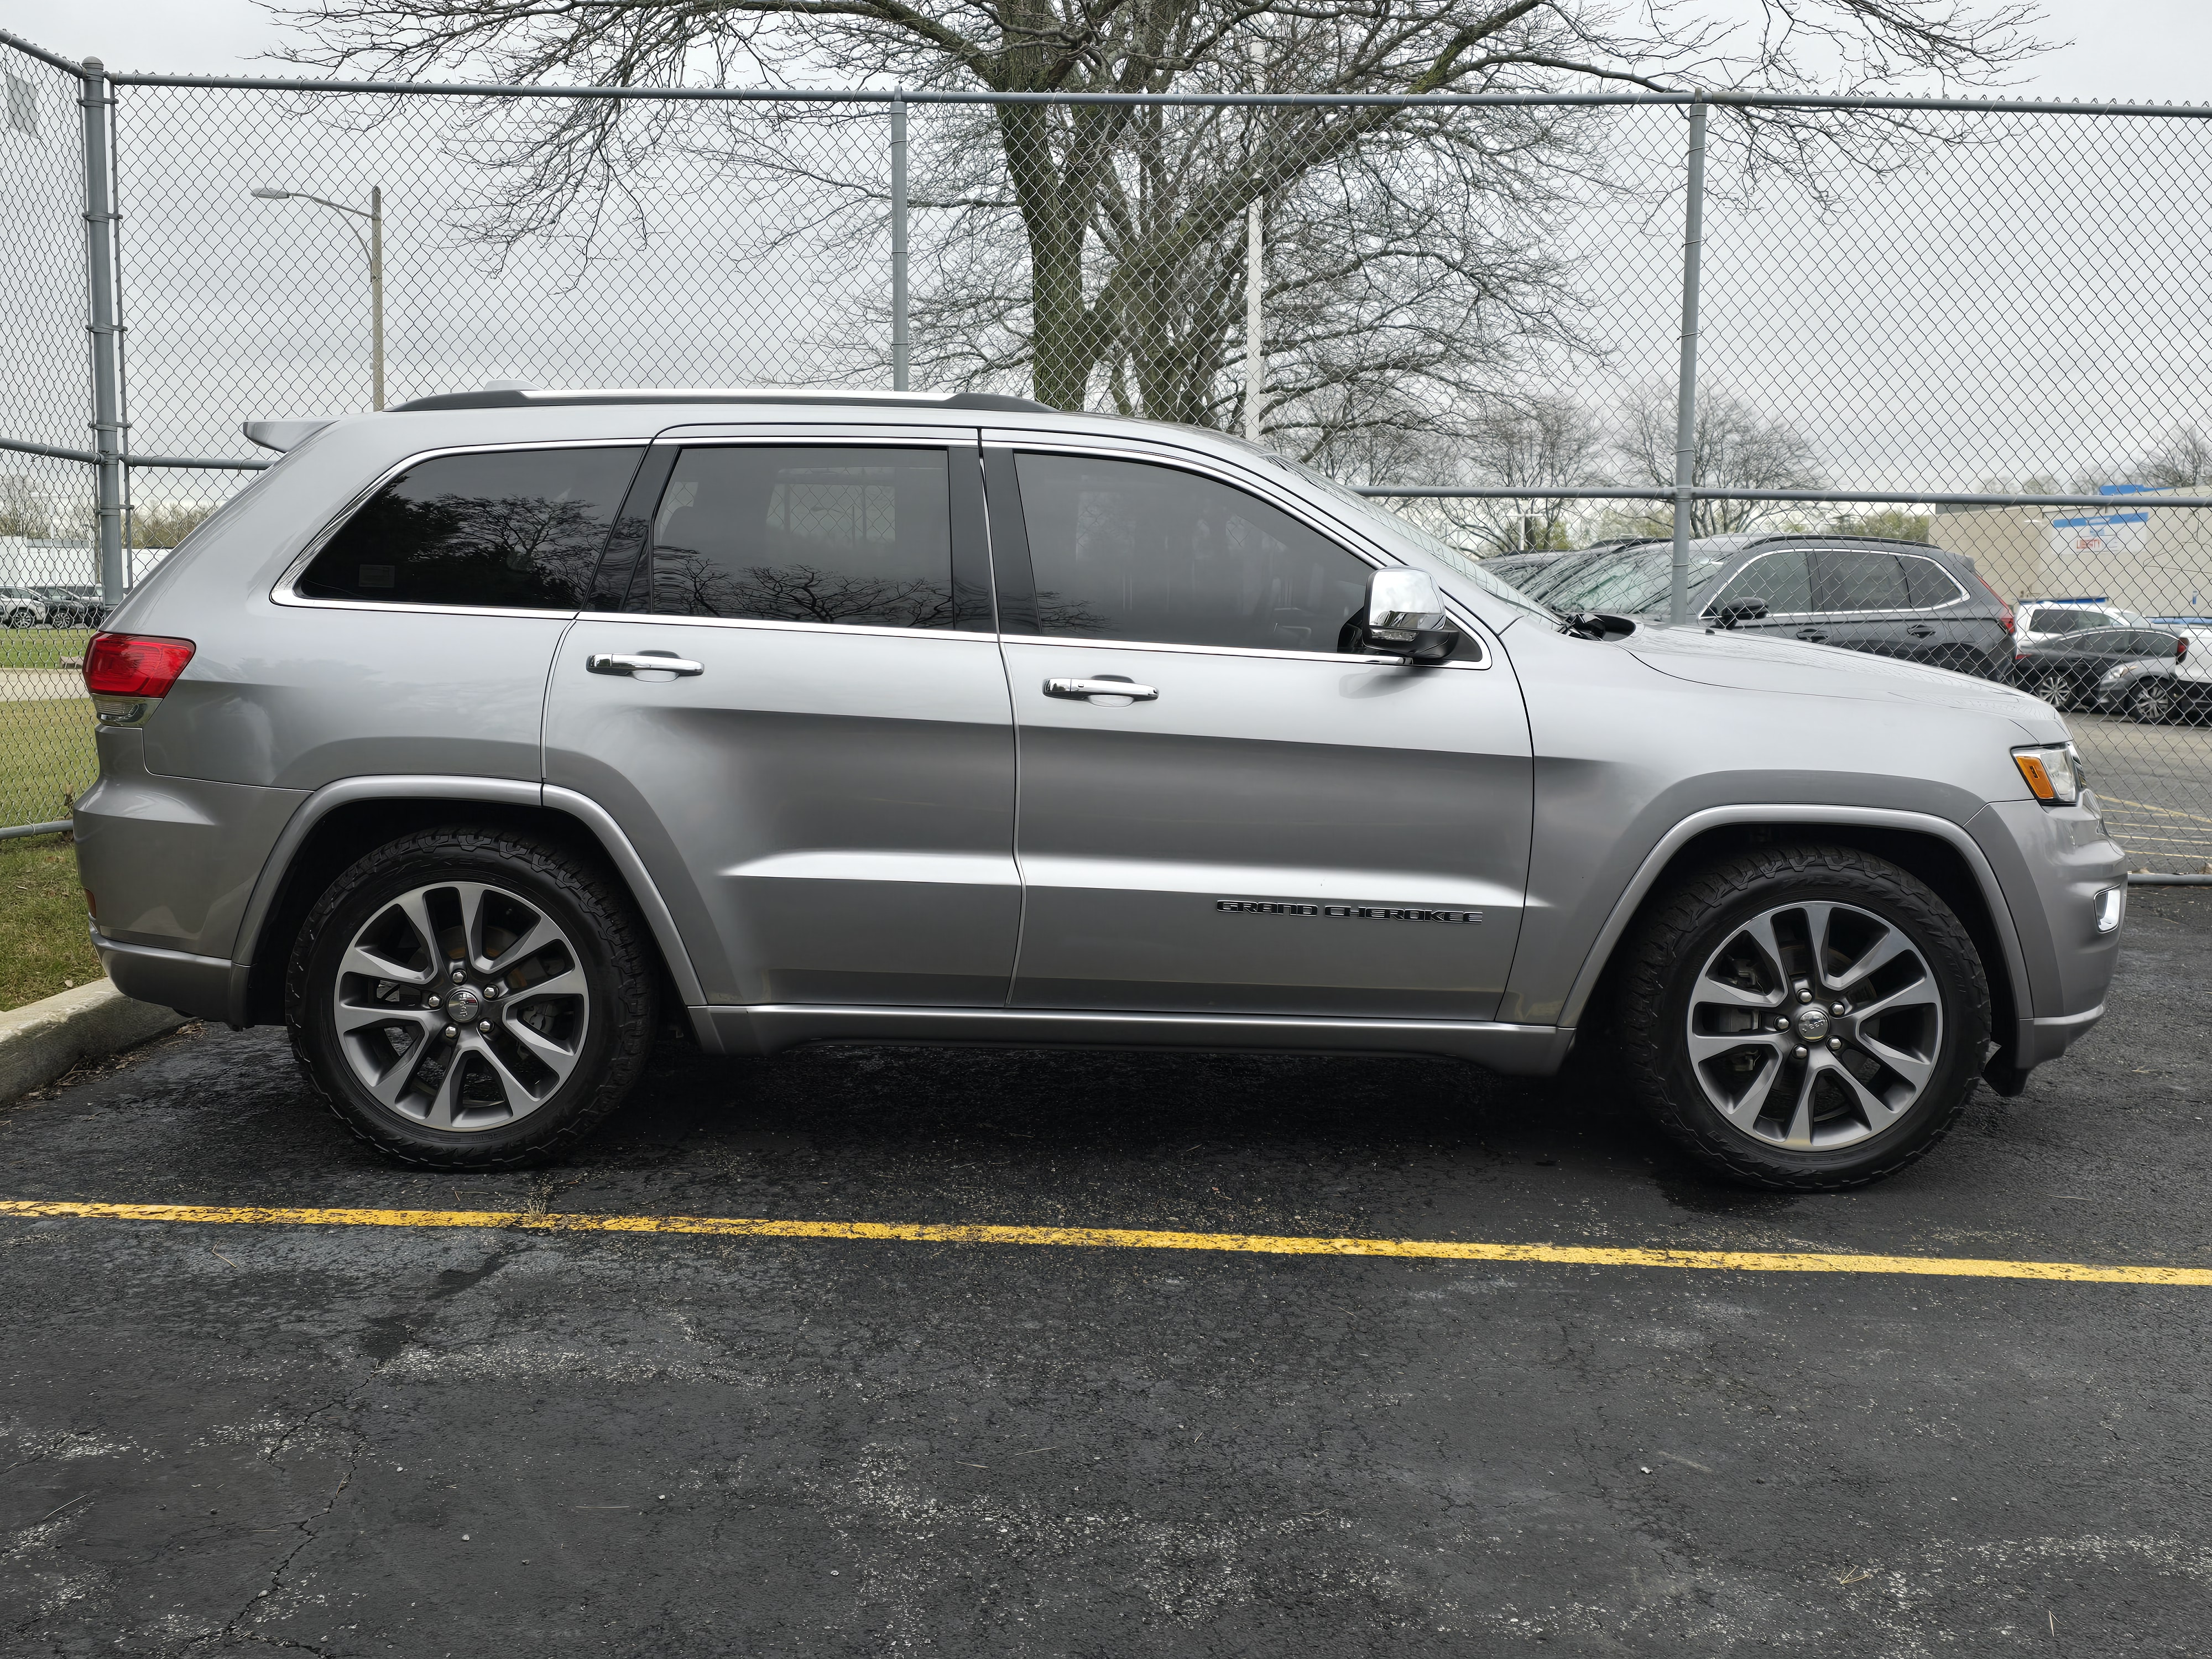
(478, 737)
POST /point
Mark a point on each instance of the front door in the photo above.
(1260, 824)
(821, 783)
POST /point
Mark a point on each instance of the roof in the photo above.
(556, 398)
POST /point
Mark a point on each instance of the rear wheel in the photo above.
(468, 998)
(2153, 703)
(1804, 1018)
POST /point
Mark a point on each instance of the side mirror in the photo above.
(1404, 617)
(1741, 610)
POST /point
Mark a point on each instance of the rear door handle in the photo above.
(1811, 634)
(1107, 685)
(640, 662)
(1920, 630)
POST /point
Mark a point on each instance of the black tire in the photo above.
(2153, 703)
(1680, 934)
(610, 949)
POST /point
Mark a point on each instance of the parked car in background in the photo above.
(2125, 671)
(2038, 620)
(21, 608)
(1530, 571)
(71, 607)
(1903, 599)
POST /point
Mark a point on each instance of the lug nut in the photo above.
(1837, 1044)
(1841, 1008)
(459, 973)
(485, 1025)
(1781, 1024)
(431, 1002)
(451, 1033)
(1799, 1054)
(1804, 996)
(495, 990)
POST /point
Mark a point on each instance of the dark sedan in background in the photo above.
(2135, 672)
(1903, 599)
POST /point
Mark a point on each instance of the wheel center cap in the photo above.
(1812, 1023)
(466, 1003)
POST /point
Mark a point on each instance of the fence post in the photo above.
(104, 328)
(1254, 277)
(1685, 389)
(899, 343)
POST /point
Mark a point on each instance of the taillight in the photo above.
(2180, 649)
(133, 665)
(2004, 609)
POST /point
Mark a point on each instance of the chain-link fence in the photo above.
(1866, 372)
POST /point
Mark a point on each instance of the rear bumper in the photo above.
(199, 988)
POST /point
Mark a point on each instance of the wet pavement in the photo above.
(389, 1441)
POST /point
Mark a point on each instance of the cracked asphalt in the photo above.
(380, 1440)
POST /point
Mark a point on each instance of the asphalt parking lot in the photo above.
(379, 1439)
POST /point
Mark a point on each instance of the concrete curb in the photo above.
(41, 1040)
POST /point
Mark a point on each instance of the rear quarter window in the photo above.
(514, 530)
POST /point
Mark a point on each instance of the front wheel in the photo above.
(1804, 1018)
(467, 998)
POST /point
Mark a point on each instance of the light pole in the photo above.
(372, 246)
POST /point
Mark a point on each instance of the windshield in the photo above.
(1373, 513)
(1627, 583)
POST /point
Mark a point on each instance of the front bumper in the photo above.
(2051, 863)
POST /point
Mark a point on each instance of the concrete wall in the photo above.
(2162, 567)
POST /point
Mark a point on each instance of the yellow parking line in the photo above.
(927, 1232)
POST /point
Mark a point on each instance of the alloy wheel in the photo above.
(1814, 1026)
(461, 1005)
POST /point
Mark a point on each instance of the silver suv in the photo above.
(479, 740)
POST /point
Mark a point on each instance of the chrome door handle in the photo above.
(640, 662)
(1107, 687)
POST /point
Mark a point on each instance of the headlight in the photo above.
(2126, 670)
(2053, 772)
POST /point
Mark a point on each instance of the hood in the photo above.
(1750, 662)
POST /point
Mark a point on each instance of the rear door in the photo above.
(1261, 824)
(823, 781)
(1864, 603)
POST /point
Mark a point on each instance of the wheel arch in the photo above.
(1934, 849)
(341, 821)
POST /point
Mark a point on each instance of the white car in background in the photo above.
(2038, 620)
(21, 608)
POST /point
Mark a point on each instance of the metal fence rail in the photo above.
(1534, 322)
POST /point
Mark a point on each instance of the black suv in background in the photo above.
(1892, 598)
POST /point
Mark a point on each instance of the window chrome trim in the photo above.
(654, 619)
(1268, 653)
(283, 590)
(1285, 502)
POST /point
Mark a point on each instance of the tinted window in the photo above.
(1852, 579)
(2067, 621)
(1124, 550)
(861, 537)
(518, 529)
(1930, 584)
(2150, 643)
(1781, 577)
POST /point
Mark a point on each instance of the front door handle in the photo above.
(640, 662)
(1814, 634)
(1920, 630)
(1106, 685)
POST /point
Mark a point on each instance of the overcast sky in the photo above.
(2155, 51)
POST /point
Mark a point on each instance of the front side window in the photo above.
(1129, 550)
(1782, 579)
(806, 533)
(514, 530)
(1853, 578)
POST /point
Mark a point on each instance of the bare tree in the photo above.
(1737, 446)
(1542, 440)
(1095, 248)
(2183, 457)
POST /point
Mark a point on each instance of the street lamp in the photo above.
(372, 247)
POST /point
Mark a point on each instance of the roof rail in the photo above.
(509, 397)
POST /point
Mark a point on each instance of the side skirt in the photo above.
(767, 1029)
